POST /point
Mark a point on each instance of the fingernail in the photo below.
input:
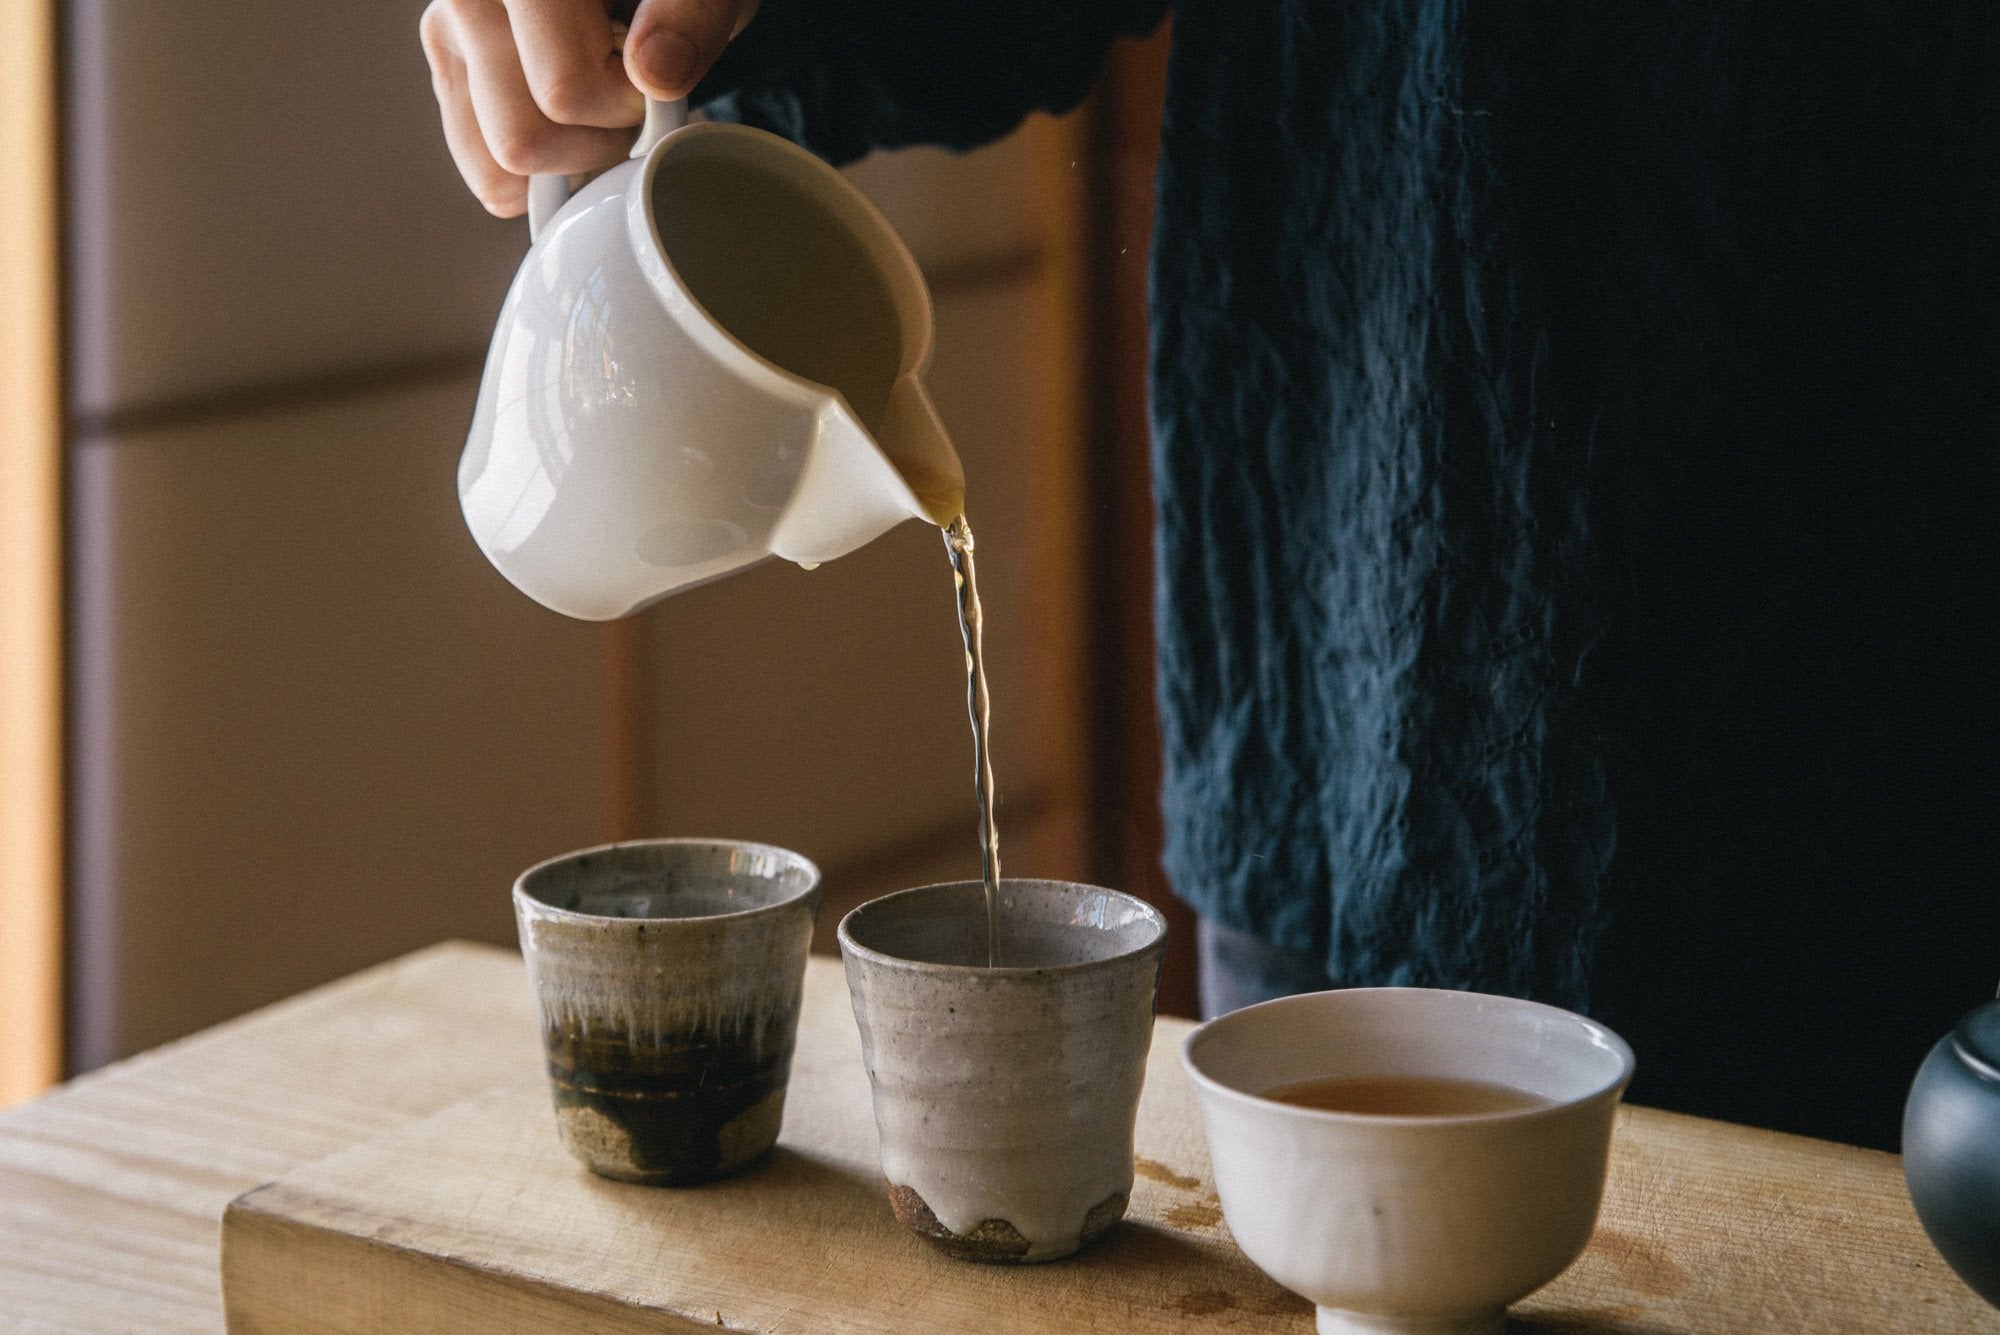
(665, 62)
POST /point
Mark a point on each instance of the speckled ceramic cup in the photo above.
(1005, 1097)
(668, 973)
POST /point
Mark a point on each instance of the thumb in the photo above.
(673, 42)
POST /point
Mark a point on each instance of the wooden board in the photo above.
(112, 1187)
(474, 1220)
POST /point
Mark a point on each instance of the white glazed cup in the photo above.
(701, 364)
(1411, 1225)
(668, 975)
(1005, 1098)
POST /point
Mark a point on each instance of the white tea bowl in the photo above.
(1411, 1224)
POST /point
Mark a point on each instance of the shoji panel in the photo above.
(260, 192)
(312, 727)
(315, 729)
(956, 210)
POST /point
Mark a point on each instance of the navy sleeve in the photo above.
(842, 77)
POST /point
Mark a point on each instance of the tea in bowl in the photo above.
(1408, 1160)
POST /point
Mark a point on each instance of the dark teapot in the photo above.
(1951, 1148)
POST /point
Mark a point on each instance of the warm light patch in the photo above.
(31, 843)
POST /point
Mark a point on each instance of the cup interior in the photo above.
(1043, 925)
(670, 878)
(1543, 1050)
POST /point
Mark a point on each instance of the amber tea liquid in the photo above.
(1406, 1096)
(971, 625)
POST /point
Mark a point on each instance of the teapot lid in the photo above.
(1977, 1039)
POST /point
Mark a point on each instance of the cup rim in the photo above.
(542, 908)
(851, 948)
(1613, 1087)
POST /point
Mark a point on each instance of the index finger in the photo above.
(571, 59)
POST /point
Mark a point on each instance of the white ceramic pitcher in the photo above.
(711, 355)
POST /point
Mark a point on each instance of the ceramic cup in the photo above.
(1005, 1097)
(1417, 1225)
(668, 974)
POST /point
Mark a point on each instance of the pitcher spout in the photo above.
(914, 439)
(858, 485)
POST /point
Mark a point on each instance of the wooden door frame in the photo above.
(31, 555)
(1124, 138)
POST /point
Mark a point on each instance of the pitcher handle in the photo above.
(549, 192)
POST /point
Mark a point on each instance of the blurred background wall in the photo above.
(310, 729)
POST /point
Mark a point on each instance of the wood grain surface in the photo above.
(447, 1204)
(474, 1219)
(112, 1187)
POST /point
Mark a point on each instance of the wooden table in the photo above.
(113, 1189)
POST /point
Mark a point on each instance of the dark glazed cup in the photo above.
(1951, 1149)
(668, 975)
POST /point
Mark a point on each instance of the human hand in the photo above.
(546, 86)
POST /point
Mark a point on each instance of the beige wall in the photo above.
(311, 729)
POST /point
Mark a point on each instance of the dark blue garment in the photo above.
(1575, 432)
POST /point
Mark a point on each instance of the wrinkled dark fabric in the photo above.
(1575, 435)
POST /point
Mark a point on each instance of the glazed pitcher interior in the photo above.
(781, 271)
